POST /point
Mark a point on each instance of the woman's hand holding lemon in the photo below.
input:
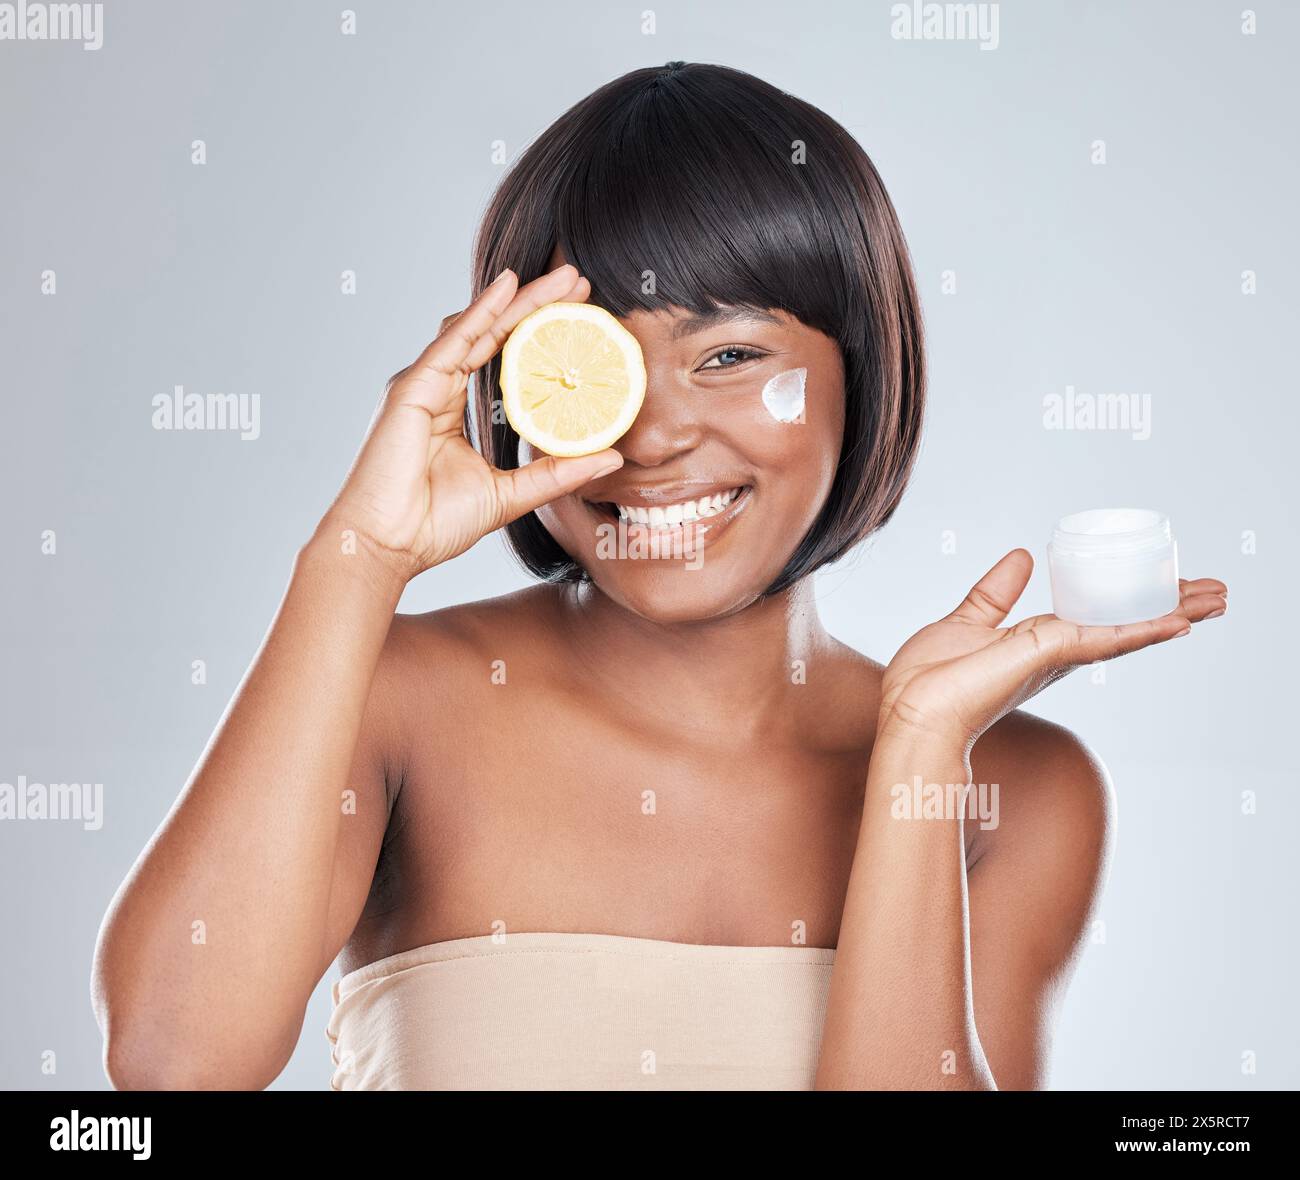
(419, 493)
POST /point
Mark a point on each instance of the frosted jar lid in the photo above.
(1103, 534)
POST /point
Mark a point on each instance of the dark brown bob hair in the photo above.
(733, 193)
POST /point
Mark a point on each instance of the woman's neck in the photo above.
(753, 659)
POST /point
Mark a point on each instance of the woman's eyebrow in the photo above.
(692, 324)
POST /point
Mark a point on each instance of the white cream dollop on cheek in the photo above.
(784, 395)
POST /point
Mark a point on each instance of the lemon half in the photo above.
(572, 379)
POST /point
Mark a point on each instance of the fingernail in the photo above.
(1184, 631)
(1214, 614)
(606, 469)
(499, 277)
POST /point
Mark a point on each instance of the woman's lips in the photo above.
(659, 515)
(685, 525)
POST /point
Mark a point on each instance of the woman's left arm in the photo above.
(1035, 878)
(901, 1013)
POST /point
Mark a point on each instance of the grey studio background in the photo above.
(373, 153)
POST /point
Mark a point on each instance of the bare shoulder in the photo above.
(443, 644)
(445, 662)
(1054, 796)
(854, 664)
(845, 701)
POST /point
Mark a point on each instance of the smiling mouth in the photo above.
(677, 515)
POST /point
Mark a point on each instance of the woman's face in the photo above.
(706, 430)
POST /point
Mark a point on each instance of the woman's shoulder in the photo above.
(1040, 754)
(479, 625)
(843, 698)
(1049, 788)
(450, 648)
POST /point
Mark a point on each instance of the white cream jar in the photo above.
(1111, 566)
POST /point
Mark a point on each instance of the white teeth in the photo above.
(668, 515)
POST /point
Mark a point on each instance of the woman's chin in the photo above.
(672, 592)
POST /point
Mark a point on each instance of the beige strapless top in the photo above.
(581, 1012)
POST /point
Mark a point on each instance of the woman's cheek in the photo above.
(791, 424)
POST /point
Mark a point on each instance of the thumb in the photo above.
(524, 489)
(992, 597)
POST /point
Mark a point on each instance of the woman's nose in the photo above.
(668, 424)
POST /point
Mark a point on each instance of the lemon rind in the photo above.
(631, 348)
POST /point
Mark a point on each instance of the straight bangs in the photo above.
(674, 209)
(699, 187)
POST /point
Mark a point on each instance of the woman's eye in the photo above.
(729, 358)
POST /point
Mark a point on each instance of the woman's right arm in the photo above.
(215, 941)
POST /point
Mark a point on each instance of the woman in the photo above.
(636, 826)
